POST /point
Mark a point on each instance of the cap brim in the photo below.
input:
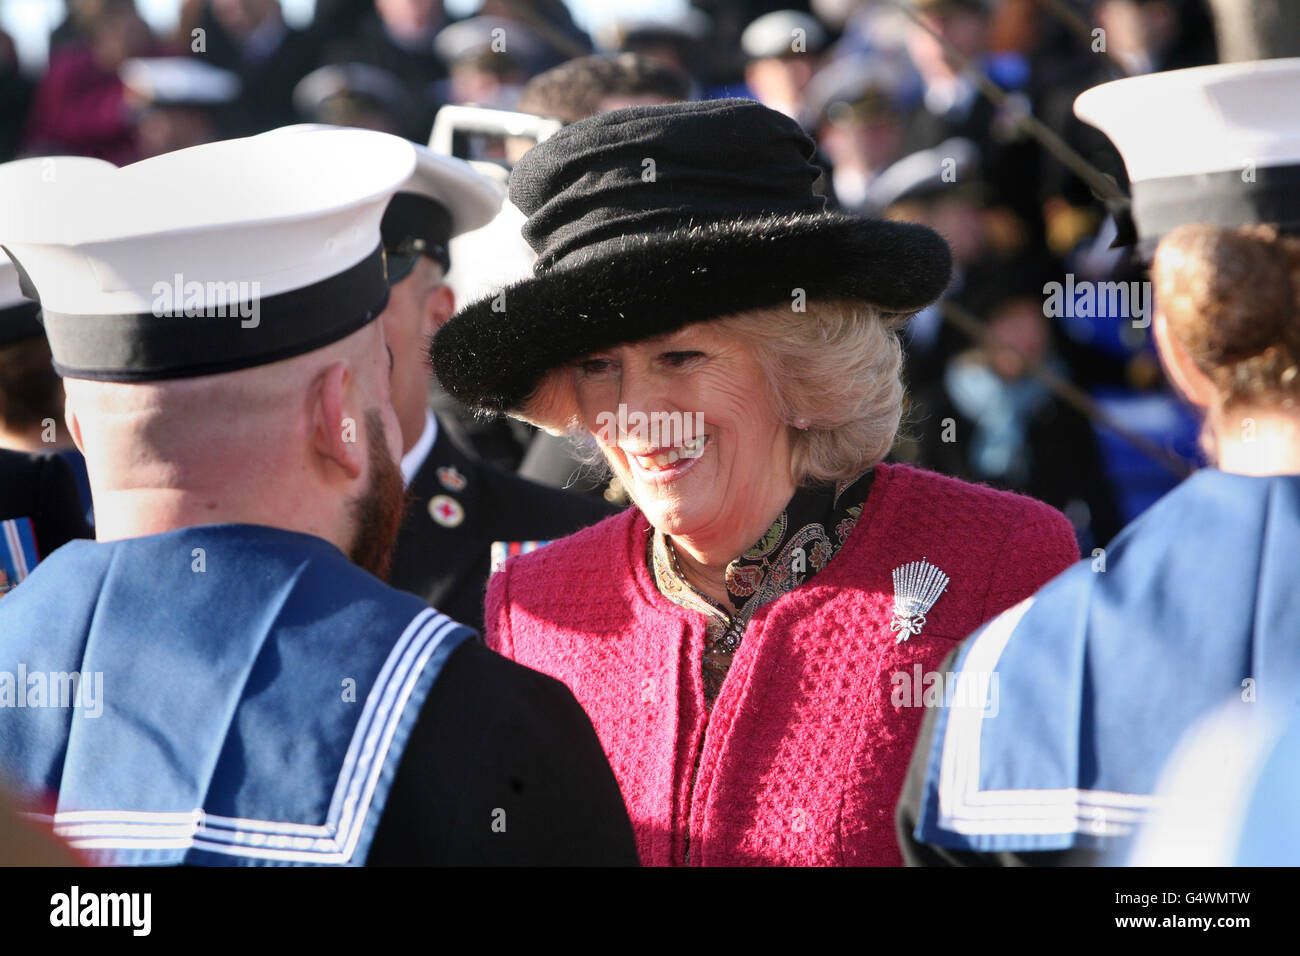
(495, 352)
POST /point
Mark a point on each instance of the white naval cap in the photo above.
(209, 259)
(178, 81)
(1217, 144)
(774, 34)
(443, 197)
(22, 183)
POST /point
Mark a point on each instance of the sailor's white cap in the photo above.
(1217, 144)
(209, 259)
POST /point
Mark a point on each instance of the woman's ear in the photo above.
(1190, 381)
(335, 436)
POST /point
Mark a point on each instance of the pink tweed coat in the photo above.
(804, 754)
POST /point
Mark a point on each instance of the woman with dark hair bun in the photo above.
(1098, 676)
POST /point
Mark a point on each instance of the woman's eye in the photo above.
(593, 366)
(678, 359)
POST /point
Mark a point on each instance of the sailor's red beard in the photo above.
(377, 512)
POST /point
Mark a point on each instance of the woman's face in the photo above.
(698, 394)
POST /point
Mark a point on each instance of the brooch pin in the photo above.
(917, 587)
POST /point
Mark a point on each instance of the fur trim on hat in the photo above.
(494, 353)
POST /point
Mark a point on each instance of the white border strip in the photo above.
(965, 808)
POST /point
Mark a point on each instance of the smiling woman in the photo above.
(733, 637)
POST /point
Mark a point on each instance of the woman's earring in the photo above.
(801, 423)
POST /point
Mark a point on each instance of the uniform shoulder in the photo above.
(541, 504)
(953, 495)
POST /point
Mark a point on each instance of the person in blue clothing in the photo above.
(1068, 705)
(222, 678)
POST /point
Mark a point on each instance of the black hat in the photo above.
(647, 219)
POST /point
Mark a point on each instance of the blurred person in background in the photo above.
(679, 43)
(176, 102)
(15, 99)
(40, 507)
(250, 39)
(397, 36)
(855, 111)
(79, 106)
(489, 60)
(596, 84)
(991, 420)
(952, 105)
(31, 390)
(783, 52)
(361, 95)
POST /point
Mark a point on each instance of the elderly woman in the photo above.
(752, 640)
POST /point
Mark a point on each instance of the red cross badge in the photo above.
(446, 510)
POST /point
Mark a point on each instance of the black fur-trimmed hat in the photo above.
(648, 219)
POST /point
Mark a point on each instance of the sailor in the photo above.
(1085, 689)
(249, 691)
(176, 101)
(459, 506)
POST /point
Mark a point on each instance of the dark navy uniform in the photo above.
(39, 511)
(459, 507)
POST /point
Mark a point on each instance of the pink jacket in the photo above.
(804, 754)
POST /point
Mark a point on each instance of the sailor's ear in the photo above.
(1191, 382)
(74, 426)
(335, 435)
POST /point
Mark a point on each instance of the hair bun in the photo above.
(1232, 298)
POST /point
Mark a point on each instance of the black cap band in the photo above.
(1230, 198)
(146, 346)
(411, 217)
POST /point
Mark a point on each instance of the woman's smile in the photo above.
(668, 464)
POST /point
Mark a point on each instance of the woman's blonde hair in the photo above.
(836, 367)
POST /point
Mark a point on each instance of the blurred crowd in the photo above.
(919, 114)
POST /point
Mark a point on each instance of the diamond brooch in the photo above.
(917, 586)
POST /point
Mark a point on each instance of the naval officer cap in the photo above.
(210, 259)
(1214, 144)
(444, 197)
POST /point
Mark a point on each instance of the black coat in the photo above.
(41, 488)
(503, 768)
(448, 566)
